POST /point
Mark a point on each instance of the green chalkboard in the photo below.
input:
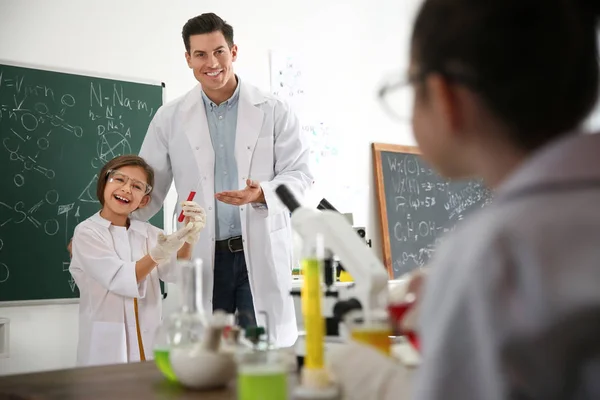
(56, 131)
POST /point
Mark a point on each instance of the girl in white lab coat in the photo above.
(501, 89)
(117, 263)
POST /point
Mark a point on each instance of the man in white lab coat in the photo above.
(233, 145)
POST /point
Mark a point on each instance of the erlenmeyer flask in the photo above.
(186, 326)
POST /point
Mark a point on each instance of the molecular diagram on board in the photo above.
(287, 78)
(38, 114)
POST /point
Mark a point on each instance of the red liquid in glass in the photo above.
(397, 312)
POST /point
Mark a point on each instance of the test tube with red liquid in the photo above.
(190, 198)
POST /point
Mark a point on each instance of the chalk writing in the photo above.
(422, 208)
(18, 213)
(99, 96)
(57, 131)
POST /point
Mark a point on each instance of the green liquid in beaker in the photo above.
(262, 383)
(161, 358)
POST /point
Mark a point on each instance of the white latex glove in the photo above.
(169, 244)
(196, 215)
(364, 373)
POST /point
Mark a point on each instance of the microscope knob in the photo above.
(341, 308)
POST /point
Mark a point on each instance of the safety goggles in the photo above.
(120, 178)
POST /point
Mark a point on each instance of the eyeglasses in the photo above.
(119, 178)
(397, 99)
(398, 96)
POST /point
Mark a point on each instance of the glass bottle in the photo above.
(186, 326)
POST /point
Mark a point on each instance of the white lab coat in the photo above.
(509, 270)
(269, 148)
(103, 266)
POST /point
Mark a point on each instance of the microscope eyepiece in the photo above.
(287, 197)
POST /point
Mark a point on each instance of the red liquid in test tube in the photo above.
(190, 198)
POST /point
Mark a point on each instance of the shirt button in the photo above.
(249, 148)
(197, 148)
(231, 226)
(225, 172)
(220, 117)
(210, 208)
(221, 146)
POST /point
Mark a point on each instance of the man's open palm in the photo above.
(252, 193)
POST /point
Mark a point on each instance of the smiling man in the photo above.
(233, 145)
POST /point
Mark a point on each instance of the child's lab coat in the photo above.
(103, 266)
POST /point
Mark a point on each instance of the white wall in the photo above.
(347, 45)
(41, 338)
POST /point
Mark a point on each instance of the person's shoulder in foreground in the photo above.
(515, 267)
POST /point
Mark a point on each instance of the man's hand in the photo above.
(252, 193)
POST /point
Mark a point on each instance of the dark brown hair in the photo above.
(534, 63)
(206, 23)
(120, 162)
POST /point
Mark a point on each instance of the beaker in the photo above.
(186, 326)
(262, 374)
(375, 332)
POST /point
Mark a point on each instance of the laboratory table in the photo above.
(125, 381)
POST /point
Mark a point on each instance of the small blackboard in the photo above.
(417, 206)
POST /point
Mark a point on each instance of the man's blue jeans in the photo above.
(231, 291)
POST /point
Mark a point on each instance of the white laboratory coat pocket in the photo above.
(277, 222)
(108, 343)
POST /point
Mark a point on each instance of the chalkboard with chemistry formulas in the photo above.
(56, 131)
(417, 206)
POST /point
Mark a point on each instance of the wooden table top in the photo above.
(125, 381)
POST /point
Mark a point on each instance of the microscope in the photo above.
(368, 293)
(361, 231)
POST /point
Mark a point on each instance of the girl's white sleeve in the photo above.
(95, 256)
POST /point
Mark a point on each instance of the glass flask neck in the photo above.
(191, 286)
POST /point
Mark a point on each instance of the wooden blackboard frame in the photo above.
(90, 74)
(84, 73)
(377, 148)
